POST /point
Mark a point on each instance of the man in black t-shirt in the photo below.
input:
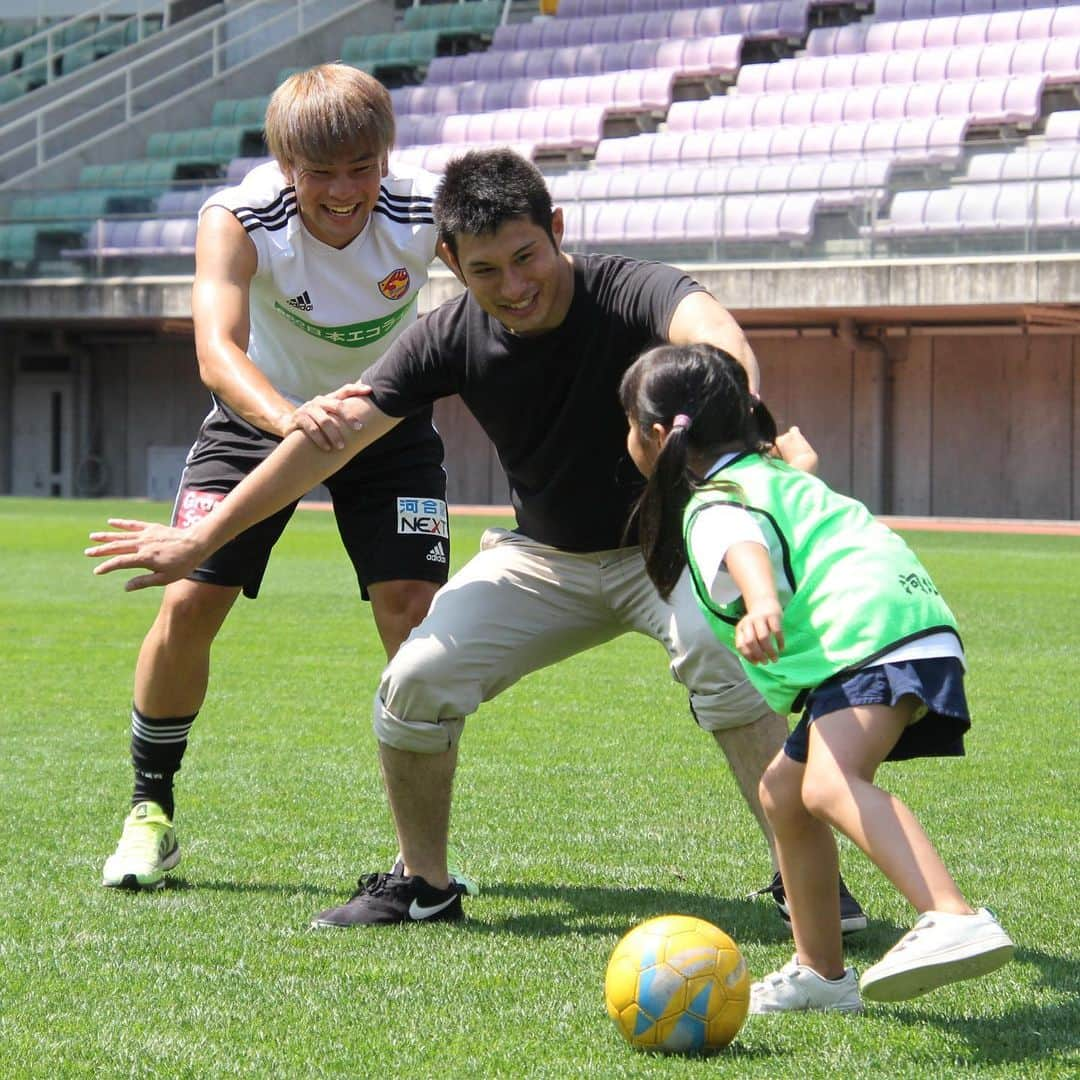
(536, 348)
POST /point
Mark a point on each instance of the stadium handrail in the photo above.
(52, 36)
(224, 42)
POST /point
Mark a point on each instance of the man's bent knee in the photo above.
(420, 736)
(733, 707)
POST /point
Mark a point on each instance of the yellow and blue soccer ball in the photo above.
(677, 984)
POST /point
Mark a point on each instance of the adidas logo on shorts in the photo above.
(437, 553)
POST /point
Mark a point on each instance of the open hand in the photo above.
(170, 553)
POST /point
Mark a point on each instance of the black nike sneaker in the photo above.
(852, 916)
(385, 899)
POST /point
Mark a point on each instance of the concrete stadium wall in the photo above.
(976, 421)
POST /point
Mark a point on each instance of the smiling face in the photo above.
(518, 275)
(336, 198)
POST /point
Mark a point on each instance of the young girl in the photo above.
(833, 615)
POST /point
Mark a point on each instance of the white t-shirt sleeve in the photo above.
(713, 532)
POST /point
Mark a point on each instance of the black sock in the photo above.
(157, 747)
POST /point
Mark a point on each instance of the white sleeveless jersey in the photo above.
(321, 316)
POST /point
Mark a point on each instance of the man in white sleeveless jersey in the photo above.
(306, 272)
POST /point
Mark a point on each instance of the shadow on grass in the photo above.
(597, 909)
(181, 884)
(1023, 1034)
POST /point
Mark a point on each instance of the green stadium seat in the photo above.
(145, 177)
(404, 49)
(239, 112)
(210, 144)
(478, 18)
(11, 87)
(18, 243)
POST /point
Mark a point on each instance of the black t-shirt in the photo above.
(548, 403)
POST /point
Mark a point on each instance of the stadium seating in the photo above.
(1005, 208)
(560, 128)
(695, 56)
(921, 9)
(703, 221)
(642, 90)
(876, 129)
(29, 46)
(1063, 126)
(472, 22)
(782, 20)
(985, 101)
(435, 156)
(959, 30)
(1043, 163)
(920, 141)
(1057, 59)
(142, 239)
(836, 182)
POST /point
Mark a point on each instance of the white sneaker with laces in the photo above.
(940, 948)
(796, 987)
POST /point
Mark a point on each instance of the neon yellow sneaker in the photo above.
(146, 850)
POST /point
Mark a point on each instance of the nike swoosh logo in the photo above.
(420, 911)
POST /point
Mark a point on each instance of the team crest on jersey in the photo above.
(424, 517)
(396, 284)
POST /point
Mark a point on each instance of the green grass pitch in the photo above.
(586, 801)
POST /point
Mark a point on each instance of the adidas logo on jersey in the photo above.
(301, 302)
(437, 553)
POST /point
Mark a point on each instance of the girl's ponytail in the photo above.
(660, 511)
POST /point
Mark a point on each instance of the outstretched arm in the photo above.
(758, 637)
(292, 470)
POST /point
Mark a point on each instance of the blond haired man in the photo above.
(305, 273)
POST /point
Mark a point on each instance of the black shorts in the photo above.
(390, 506)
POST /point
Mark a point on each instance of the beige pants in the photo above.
(518, 606)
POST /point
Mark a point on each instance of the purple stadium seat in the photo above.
(829, 41)
(1061, 61)
(184, 203)
(1064, 125)
(985, 168)
(238, 168)
(1065, 21)
(701, 219)
(1074, 207)
(942, 210)
(177, 236)
(1051, 202)
(977, 208)
(906, 216)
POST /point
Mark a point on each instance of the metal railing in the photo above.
(41, 55)
(158, 80)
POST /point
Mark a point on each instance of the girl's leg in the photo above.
(846, 747)
(808, 865)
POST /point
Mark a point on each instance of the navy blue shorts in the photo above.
(937, 682)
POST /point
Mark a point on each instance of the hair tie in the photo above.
(681, 422)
